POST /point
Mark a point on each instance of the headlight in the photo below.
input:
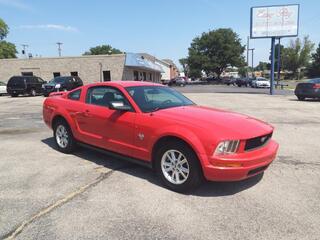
(57, 86)
(227, 147)
(42, 86)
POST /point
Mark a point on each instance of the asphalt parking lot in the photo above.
(45, 194)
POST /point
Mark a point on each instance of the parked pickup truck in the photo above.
(158, 127)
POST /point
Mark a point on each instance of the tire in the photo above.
(239, 85)
(14, 95)
(33, 92)
(300, 98)
(63, 137)
(187, 169)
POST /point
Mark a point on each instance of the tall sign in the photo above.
(274, 22)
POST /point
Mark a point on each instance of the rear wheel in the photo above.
(33, 92)
(300, 98)
(14, 95)
(63, 137)
(178, 167)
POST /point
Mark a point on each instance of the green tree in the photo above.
(7, 49)
(276, 54)
(243, 71)
(262, 66)
(214, 51)
(102, 49)
(314, 69)
(185, 66)
(298, 55)
(4, 29)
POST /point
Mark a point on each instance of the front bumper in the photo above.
(240, 166)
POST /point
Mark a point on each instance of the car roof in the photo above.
(125, 84)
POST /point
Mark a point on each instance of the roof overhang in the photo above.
(138, 61)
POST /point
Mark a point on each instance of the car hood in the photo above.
(49, 84)
(262, 82)
(220, 123)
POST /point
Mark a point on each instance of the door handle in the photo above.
(86, 113)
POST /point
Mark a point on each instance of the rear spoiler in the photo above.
(58, 94)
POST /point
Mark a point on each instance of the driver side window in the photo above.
(103, 96)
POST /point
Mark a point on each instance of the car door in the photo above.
(103, 127)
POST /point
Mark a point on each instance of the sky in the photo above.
(164, 28)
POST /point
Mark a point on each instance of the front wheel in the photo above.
(178, 167)
(63, 137)
(300, 98)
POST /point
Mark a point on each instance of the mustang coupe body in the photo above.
(157, 126)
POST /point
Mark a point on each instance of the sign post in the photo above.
(272, 65)
(274, 22)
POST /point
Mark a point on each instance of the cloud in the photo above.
(15, 4)
(50, 27)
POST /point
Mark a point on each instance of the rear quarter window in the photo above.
(75, 95)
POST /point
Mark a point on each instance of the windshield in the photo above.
(261, 79)
(58, 80)
(153, 98)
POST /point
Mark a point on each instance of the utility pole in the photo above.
(251, 49)
(24, 47)
(59, 48)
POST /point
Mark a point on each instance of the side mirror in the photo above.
(119, 106)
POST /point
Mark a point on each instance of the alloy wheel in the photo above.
(175, 167)
(62, 136)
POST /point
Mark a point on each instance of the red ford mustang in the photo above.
(157, 126)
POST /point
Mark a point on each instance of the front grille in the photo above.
(257, 142)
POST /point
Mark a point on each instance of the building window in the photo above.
(136, 76)
(74, 74)
(144, 76)
(150, 76)
(56, 74)
(106, 76)
(27, 73)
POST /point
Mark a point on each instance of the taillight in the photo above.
(317, 86)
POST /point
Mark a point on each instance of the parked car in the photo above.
(179, 81)
(309, 89)
(211, 80)
(3, 88)
(244, 82)
(30, 85)
(158, 127)
(65, 83)
(229, 81)
(260, 82)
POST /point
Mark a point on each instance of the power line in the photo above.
(59, 47)
(24, 47)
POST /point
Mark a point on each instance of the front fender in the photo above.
(184, 134)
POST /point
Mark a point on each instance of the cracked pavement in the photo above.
(45, 194)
